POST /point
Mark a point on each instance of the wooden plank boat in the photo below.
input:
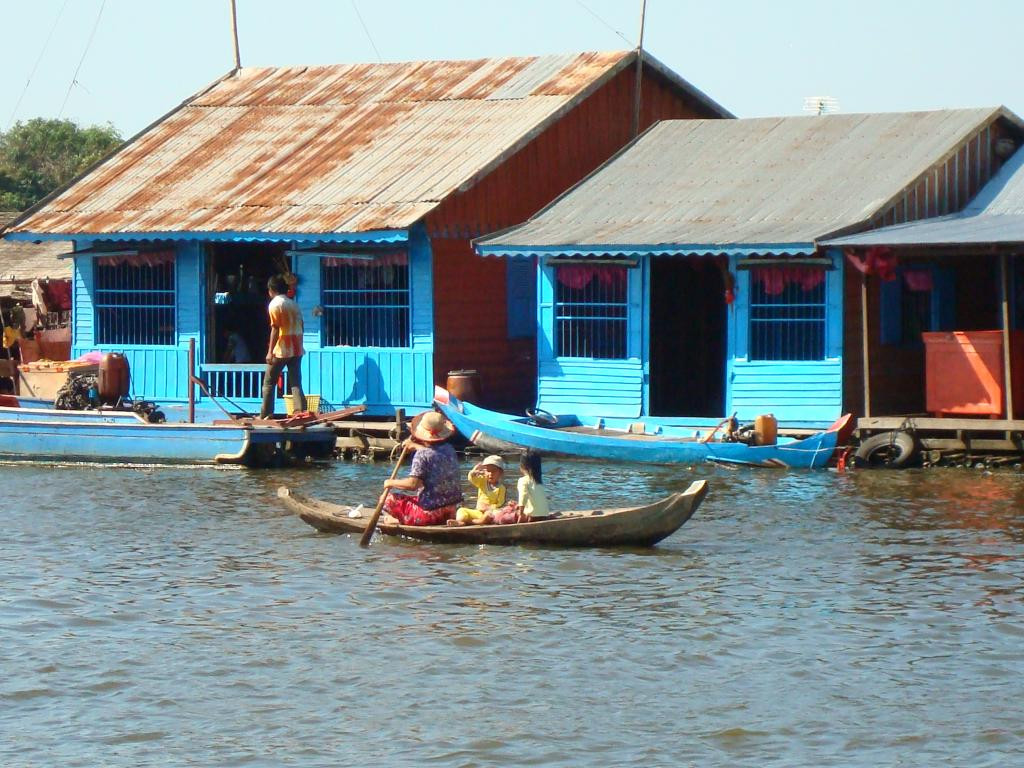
(46, 434)
(570, 437)
(634, 526)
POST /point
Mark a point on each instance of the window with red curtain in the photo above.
(134, 299)
(366, 301)
(787, 313)
(591, 311)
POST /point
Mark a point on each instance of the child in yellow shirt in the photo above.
(488, 478)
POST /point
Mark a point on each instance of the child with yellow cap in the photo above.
(488, 478)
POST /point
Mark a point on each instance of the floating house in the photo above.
(364, 183)
(944, 321)
(685, 280)
(35, 291)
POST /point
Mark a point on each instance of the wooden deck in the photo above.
(951, 434)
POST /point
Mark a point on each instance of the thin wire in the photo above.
(35, 66)
(88, 44)
(367, 31)
(613, 29)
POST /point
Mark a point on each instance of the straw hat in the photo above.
(494, 461)
(431, 427)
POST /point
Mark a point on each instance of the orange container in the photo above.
(964, 373)
(114, 378)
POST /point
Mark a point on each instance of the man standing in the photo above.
(285, 347)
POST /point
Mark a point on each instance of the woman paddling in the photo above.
(434, 477)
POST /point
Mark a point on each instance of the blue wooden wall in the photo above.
(797, 393)
(381, 378)
(158, 373)
(805, 392)
(584, 386)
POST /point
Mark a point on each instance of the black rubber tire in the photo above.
(541, 418)
(891, 450)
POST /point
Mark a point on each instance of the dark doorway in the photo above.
(238, 330)
(688, 336)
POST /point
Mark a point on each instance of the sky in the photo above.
(128, 62)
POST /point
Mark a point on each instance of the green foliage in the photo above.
(38, 156)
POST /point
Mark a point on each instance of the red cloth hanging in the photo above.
(380, 259)
(578, 276)
(918, 280)
(877, 260)
(143, 259)
(774, 279)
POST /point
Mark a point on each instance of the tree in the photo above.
(38, 156)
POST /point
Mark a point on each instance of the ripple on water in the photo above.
(798, 619)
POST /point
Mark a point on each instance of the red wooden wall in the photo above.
(470, 310)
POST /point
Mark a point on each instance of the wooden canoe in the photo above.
(634, 526)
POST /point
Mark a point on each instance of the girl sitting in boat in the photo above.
(434, 475)
(533, 501)
(488, 477)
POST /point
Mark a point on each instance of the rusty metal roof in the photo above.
(24, 262)
(330, 149)
(715, 185)
(994, 217)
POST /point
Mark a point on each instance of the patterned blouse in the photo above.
(438, 468)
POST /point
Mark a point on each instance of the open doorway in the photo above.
(688, 336)
(238, 331)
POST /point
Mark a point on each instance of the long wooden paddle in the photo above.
(371, 526)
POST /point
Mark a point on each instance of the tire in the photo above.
(891, 450)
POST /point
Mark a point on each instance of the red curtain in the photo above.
(774, 279)
(577, 276)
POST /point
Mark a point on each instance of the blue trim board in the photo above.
(664, 249)
(299, 238)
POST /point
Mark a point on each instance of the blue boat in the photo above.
(566, 435)
(46, 434)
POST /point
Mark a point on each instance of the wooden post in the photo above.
(191, 381)
(1004, 280)
(639, 71)
(865, 345)
(234, 34)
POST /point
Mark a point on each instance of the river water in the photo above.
(177, 616)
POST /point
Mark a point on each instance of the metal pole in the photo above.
(1007, 375)
(864, 341)
(191, 381)
(234, 34)
(639, 71)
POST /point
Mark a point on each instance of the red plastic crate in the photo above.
(964, 372)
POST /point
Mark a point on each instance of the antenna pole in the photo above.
(639, 70)
(234, 34)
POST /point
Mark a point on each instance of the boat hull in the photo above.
(491, 428)
(635, 526)
(30, 434)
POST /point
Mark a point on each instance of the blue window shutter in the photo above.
(943, 308)
(634, 326)
(546, 314)
(521, 281)
(891, 311)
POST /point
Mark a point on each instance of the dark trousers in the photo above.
(270, 384)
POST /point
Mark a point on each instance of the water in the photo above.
(180, 617)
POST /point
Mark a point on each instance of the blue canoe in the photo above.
(570, 437)
(45, 434)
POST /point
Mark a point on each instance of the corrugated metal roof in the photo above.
(711, 184)
(325, 149)
(994, 217)
(25, 262)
